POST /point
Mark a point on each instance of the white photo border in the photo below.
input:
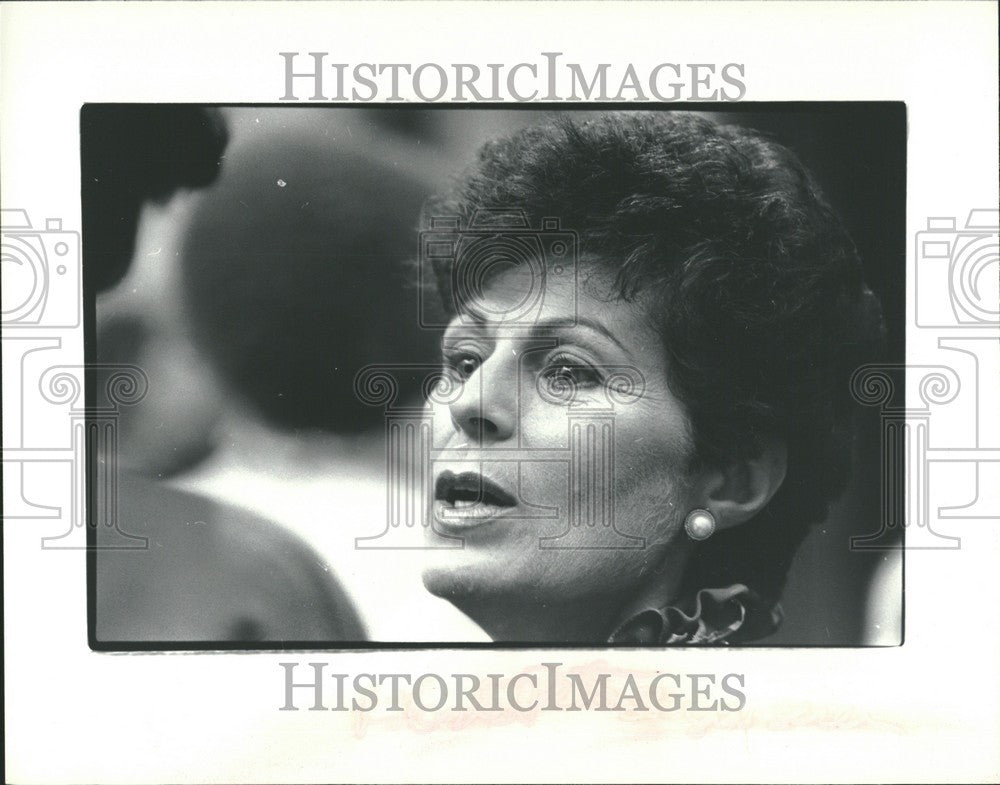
(928, 710)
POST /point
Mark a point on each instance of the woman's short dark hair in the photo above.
(759, 294)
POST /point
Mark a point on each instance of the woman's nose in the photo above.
(486, 411)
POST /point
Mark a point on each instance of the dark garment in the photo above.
(735, 614)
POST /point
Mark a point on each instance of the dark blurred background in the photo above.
(254, 292)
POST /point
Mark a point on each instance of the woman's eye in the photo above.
(568, 375)
(464, 364)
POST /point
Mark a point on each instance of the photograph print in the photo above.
(492, 377)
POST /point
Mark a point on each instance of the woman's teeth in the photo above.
(466, 509)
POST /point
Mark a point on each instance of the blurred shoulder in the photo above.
(210, 572)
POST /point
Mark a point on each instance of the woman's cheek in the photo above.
(441, 423)
(544, 425)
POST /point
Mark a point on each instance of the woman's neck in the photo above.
(587, 620)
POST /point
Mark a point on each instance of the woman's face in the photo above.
(559, 455)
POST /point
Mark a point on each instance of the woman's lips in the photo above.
(469, 499)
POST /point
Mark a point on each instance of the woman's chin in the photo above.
(455, 581)
(463, 580)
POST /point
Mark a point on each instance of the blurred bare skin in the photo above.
(142, 321)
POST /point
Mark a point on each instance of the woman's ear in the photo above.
(738, 492)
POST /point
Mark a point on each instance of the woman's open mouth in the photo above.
(469, 497)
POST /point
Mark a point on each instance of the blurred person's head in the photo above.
(133, 154)
(293, 280)
(140, 165)
(715, 309)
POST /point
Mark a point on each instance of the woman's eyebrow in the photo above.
(581, 321)
(539, 329)
(465, 319)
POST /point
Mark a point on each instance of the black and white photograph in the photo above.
(470, 375)
(527, 391)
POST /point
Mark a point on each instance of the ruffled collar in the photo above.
(734, 614)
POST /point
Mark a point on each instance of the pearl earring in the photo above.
(699, 524)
